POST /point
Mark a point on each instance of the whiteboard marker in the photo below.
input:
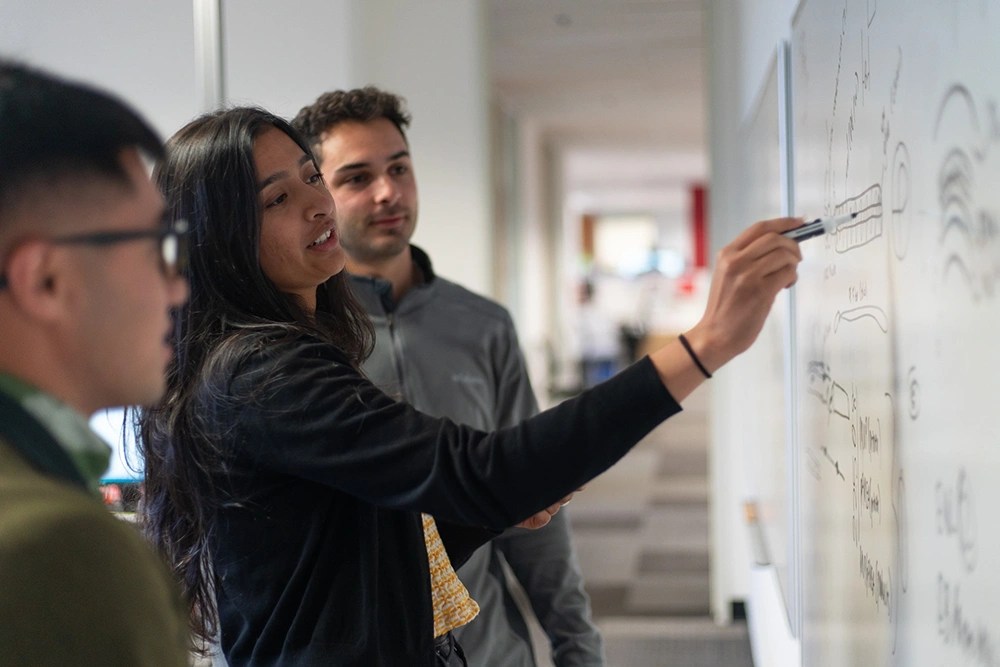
(825, 225)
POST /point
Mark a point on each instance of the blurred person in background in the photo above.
(600, 344)
(88, 276)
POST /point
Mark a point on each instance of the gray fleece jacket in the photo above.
(452, 353)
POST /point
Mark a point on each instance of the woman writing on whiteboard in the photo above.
(284, 484)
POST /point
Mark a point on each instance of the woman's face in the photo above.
(299, 248)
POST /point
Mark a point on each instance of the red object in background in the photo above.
(685, 284)
(112, 494)
(699, 225)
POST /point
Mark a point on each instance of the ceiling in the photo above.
(603, 72)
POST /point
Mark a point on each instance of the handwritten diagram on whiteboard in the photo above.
(896, 117)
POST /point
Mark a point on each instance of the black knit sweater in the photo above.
(318, 545)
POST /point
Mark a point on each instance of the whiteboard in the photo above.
(895, 114)
(767, 409)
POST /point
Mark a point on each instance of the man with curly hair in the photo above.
(450, 353)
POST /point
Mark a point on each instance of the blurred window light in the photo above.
(125, 457)
(623, 244)
(670, 262)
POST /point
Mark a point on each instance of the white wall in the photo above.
(143, 51)
(281, 64)
(534, 254)
(434, 54)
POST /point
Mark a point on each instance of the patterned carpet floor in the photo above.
(642, 536)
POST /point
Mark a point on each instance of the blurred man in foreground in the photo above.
(88, 275)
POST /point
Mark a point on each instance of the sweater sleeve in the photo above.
(302, 410)
(461, 541)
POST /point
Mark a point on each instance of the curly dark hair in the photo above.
(361, 105)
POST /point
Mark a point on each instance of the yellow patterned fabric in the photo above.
(453, 607)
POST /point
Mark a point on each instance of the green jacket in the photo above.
(77, 586)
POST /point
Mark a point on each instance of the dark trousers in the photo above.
(448, 652)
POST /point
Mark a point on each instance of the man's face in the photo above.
(117, 317)
(368, 170)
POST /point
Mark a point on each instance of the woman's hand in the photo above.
(749, 273)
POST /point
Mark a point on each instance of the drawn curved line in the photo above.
(902, 175)
(956, 261)
(914, 387)
(957, 221)
(956, 172)
(959, 90)
(956, 200)
(872, 192)
(860, 313)
(955, 183)
(867, 213)
(900, 194)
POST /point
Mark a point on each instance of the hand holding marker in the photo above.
(824, 225)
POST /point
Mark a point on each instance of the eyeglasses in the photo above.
(172, 239)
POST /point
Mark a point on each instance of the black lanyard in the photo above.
(34, 443)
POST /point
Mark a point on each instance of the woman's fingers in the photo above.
(762, 245)
(748, 275)
(774, 261)
(758, 229)
(781, 279)
(542, 518)
(536, 521)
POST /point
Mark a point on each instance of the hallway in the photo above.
(642, 536)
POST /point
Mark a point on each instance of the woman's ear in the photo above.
(33, 280)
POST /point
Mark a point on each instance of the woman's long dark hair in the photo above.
(209, 178)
